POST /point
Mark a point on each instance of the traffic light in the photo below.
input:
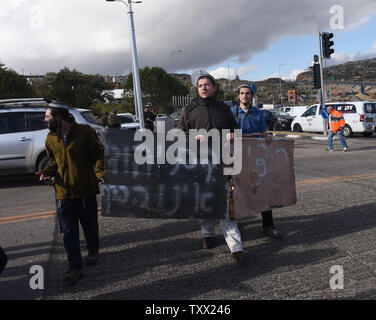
(326, 44)
(315, 72)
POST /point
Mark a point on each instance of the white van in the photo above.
(359, 117)
(295, 110)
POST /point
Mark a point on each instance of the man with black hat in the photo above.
(149, 118)
(206, 112)
(76, 161)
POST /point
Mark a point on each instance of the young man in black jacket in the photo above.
(206, 112)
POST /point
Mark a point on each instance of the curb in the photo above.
(296, 135)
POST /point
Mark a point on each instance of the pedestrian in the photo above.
(113, 120)
(336, 123)
(3, 260)
(324, 114)
(206, 112)
(149, 118)
(252, 121)
(76, 161)
(104, 119)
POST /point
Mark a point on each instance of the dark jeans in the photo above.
(70, 212)
(267, 218)
(3, 260)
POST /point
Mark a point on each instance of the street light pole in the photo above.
(228, 71)
(135, 69)
(171, 57)
(279, 74)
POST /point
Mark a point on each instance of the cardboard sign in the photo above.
(199, 191)
(178, 191)
(267, 179)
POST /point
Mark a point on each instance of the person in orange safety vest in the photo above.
(336, 123)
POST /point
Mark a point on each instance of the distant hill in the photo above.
(349, 71)
(342, 83)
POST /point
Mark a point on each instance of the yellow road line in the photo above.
(28, 219)
(299, 183)
(27, 215)
(31, 216)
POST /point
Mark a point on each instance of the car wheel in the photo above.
(297, 128)
(42, 163)
(274, 127)
(347, 132)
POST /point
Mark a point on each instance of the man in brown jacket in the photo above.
(76, 161)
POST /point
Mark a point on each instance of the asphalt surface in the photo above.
(333, 223)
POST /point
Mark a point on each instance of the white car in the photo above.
(23, 134)
(128, 121)
(359, 117)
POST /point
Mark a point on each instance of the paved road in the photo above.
(333, 223)
(25, 236)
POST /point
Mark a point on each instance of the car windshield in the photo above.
(279, 113)
(89, 117)
(126, 119)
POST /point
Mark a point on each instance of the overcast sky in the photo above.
(92, 36)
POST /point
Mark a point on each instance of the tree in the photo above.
(13, 85)
(74, 88)
(158, 87)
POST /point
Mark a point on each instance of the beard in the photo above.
(52, 125)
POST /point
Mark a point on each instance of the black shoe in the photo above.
(208, 243)
(71, 277)
(239, 257)
(92, 258)
(272, 232)
(3, 260)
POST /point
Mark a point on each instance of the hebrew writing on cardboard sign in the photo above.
(155, 190)
(194, 189)
(267, 179)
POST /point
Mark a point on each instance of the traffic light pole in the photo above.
(322, 82)
(321, 72)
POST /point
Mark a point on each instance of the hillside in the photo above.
(342, 83)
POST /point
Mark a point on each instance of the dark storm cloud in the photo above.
(92, 36)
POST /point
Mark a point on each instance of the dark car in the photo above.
(277, 120)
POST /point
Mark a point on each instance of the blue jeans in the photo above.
(70, 212)
(340, 137)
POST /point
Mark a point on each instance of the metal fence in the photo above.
(179, 102)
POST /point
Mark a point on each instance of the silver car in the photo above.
(128, 121)
(23, 134)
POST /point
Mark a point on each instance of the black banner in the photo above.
(175, 191)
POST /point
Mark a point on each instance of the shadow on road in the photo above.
(166, 261)
(19, 181)
(14, 281)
